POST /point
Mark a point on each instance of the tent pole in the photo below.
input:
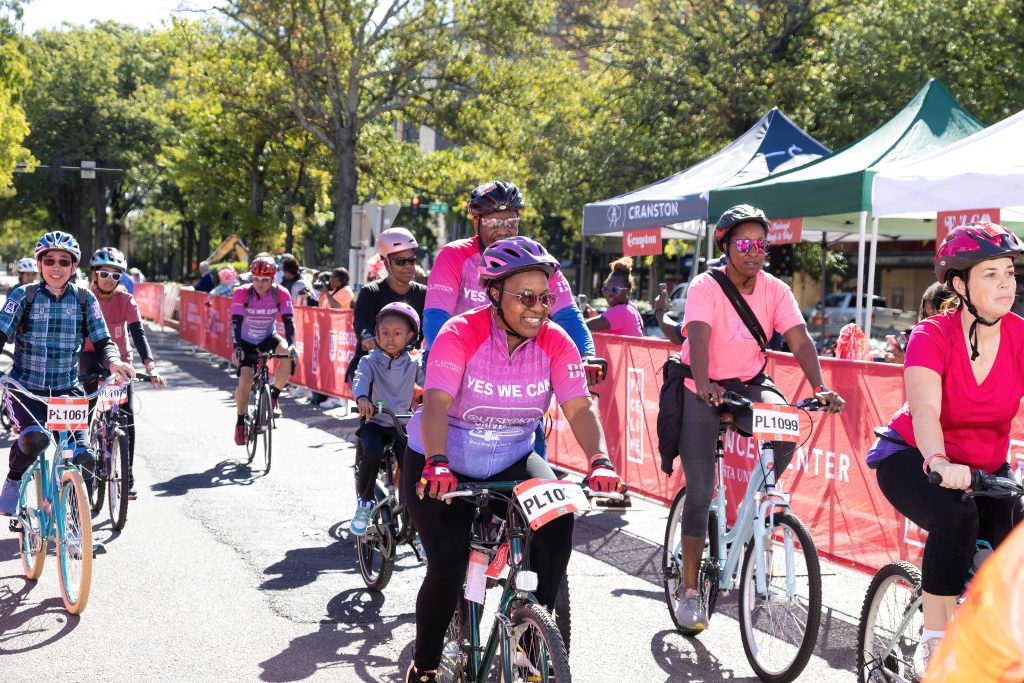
(862, 236)
(870, 284)
(695, 264)
(583, 261)
(824, 278)
(711, 244)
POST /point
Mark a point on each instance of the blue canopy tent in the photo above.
(679, 204)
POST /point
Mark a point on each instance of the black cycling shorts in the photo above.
(249, 351)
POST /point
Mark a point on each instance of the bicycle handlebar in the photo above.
(470, 489)
(809, 404)
(17, 386)
(383, 410)
(984, 484)
(139, 377)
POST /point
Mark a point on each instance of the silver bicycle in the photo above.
(768, 554)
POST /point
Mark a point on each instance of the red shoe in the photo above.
(275, 408)
(239, 435)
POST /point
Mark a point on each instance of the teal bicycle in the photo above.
(53, 503)
(531, 645)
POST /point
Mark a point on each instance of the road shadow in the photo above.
(686, 659)
(25, 627)
(224, 473)
(345, 642)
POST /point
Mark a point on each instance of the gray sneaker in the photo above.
(9, 497)
(691, 614)
(922, 655)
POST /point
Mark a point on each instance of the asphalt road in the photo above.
(223, 574)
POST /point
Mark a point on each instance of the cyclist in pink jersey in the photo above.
(491, 374)
(121, 314)
(254, 311)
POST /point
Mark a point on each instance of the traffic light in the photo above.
(415, 203)
(780, 260)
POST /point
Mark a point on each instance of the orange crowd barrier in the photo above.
(150, 298)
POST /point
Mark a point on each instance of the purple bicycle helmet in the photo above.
(403, 310)
(513, 255)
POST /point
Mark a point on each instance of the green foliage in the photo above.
(14, 77)
(807, 259)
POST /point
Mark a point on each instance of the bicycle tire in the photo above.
(5, 419)
(266, 426)
(792, 667)
(531, 618)
(99, 476)
(563, 611)
(377, 544)
(33, 542)
(455, 652)
(671, 563)
(74, 550)
(117, 481)
(901, 661)
(252, 427)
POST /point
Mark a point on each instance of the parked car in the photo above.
(677, 300)
(840, 308)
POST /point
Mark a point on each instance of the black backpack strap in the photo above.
(741, 306)
(26, 308)
(83, 301)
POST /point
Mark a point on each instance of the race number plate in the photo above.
(113, 395)
(776, 423)
(546, 499)
(67, 414)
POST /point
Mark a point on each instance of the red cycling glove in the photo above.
(602, 477)
(436, 479)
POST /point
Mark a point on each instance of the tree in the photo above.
(14, 77)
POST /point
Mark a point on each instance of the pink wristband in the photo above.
(928, 461)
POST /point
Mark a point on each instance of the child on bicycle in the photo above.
(121, 314)
(49, 323)
(388, 374)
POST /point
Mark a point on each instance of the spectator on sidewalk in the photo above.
(206, 281)
(622, 316)
(339, 294)
(291, 281)
(228, 278)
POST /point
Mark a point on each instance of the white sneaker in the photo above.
(923, 654)
(330, 403)
(9, 497)
(361, 518)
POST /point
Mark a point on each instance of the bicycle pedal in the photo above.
(14, 525)
(98, 549)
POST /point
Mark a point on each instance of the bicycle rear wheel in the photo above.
(100, 475)
(252, 423)
(376, 550)
(455, 654)
(117, 481)
(885, 651)
(33, 542)
(780, 628)
(74, 542)
(266, 426)
(672, 563)
(534, 650)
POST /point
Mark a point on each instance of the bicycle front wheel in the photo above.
(266, 426)
(117, 481)
(533, 649)
(252, 424)
(74, 542)
(33, 539)
(890, 624)
(376, 550)
(100, 475)
(672, 564)
(779, 628)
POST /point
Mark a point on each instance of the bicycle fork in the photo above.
(767, 501)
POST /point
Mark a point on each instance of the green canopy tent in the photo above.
(833, 194)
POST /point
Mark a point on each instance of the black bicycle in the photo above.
(390, 525)
(108, 437)
(259, 412)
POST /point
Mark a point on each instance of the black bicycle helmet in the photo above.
(495, 196)
(741, 213)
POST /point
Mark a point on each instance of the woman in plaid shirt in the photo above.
(48, 338)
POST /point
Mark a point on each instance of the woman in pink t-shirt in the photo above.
(622, 317)
(964, 377)
(723, 355)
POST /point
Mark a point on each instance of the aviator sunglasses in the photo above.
(530, 299)
(756, 246)
(511, 223)
(614, 289)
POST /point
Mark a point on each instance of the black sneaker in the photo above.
(132, 493)
(414, 676)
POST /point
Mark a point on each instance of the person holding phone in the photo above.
(622, 316)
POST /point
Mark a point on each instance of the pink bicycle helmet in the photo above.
(514, 255)
(395, 240)
(404, 310)
(968, 245)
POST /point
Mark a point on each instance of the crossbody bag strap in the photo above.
(741, 306)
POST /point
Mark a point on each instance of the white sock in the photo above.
(928, 634)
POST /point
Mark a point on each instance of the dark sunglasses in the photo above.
(757, 246)
(107, 275)
(62, 262)
(530, 299)
(402, 260)
(614, 289)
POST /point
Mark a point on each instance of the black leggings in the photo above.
(445, 531)
(953, 525)
(372, 440)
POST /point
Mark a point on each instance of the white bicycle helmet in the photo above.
(57, 240)
(394, 240)
(27, 265)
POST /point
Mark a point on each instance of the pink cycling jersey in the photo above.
(119, 311)
(453, 283)
(259, 315)
(498, 398)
